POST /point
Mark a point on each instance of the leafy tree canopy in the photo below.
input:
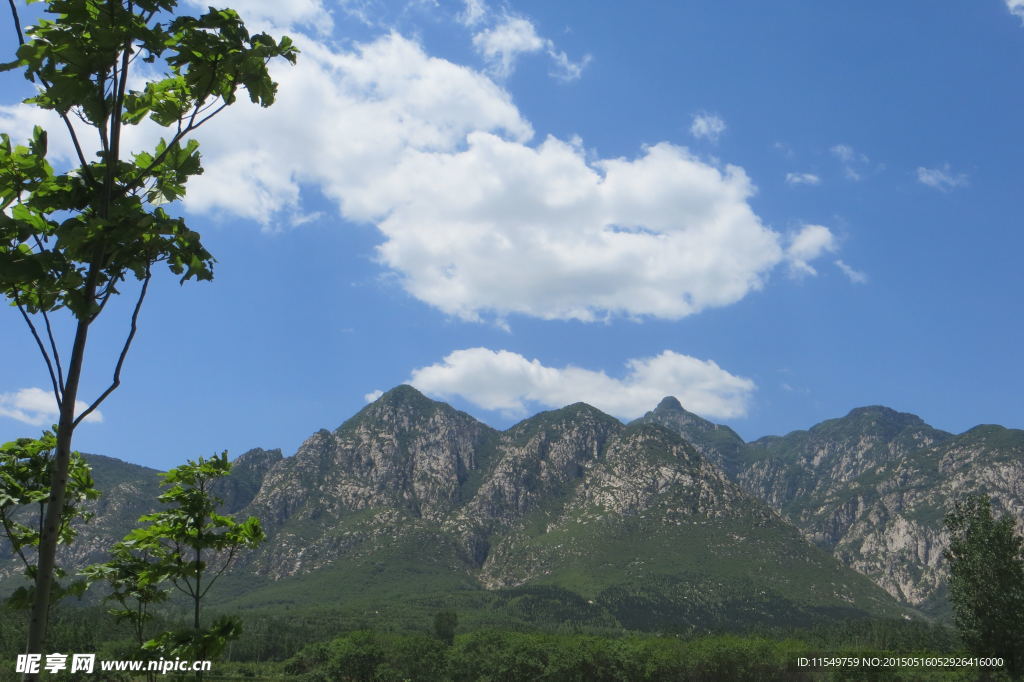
(67, 239)
(986, 581)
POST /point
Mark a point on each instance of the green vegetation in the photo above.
(986, 581)
(322, 646)
(25, 495)
(69, 239)
(177, 545)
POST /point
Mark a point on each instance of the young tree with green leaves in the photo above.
(70, 238)
(986, 581)
(136, 582)
(189, 544)
(25, 469)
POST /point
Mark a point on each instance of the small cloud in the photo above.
(474, 13)
(565, 69)
(856, 276)
(802, 179)
(853, 161)
(509, 382)
(943, 178)
(1016, 8)
(707, 126)
(38, 407)
(299, 219)
(502, 45)
(784, 149)
(810, 243)
(373, 395)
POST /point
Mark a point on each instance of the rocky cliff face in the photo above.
(570, 497)
(874, 486)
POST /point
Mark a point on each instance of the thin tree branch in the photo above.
(124, 351)
(9, 531)
(17, 22)
(105, 296)
(178, 137)
(53, 347)
(231, 555)
(63, 115)
(58, 388)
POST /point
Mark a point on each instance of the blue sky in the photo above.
(774, 211)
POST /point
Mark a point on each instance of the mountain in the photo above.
(411, 497)
(129, 490)
(671, 522)
(569, 515)
(873, 487)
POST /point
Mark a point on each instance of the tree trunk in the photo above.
(50, 535)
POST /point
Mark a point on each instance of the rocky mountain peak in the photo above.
(404, 410)
(669, 404)
(719, 444)
(257, 459)
(671, 413)
(883, 417)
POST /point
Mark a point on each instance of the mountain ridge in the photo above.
(842, 517)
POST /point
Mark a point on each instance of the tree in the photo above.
(24, 487)
(136, 582)
(986, 581)
(69, 239)
(445, 623)
(178, 545)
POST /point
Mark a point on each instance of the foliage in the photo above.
(986, 582)
(308, 641)
(498, 655)
(178, 545)
(69, 238)
(135, 581)
(445, 623)
(25, 483)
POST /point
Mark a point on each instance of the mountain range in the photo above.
(668, 523)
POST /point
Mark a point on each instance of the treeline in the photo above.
(499, 656)
(267, 646)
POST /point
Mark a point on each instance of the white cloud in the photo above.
(784, 149)
(476, 220)
(810, 243)
(707, 126)
(37, 407)
(853, 161)
(373, 106)
(502, 45)
(802, 179)
(260, 14)
(373, 395)
(565, 69)
(942, 178)
(1016, 8)
(506, 381)
(856, 276)
(473, 13)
